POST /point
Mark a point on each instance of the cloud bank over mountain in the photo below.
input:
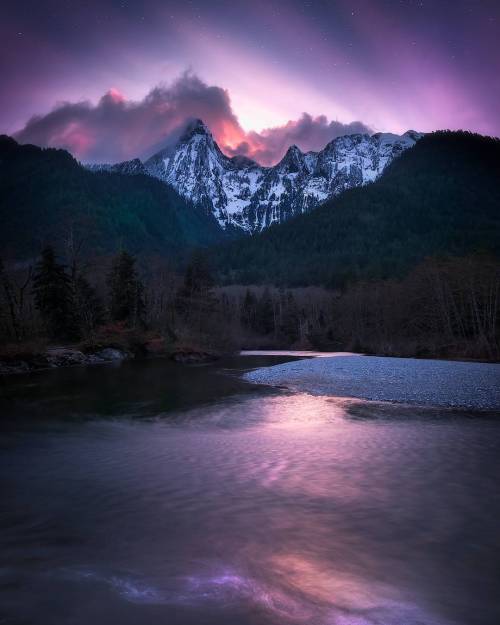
(117, 129)
(307, 132)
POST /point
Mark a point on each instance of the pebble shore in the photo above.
(406, 380)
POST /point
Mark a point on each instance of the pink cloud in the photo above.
(117, 129)
(307, 132)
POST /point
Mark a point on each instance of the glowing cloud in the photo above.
(117, 129)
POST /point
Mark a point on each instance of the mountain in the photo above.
(244, 196)
(129, 168)
(45, 194)
(442, 197)
(439, 197)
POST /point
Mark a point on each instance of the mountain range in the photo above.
(430, 195)
(47, 197)
(246, 197)
(441, 198)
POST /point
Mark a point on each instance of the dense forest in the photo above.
(442, 308)
(442, 197)
(405, 266)
(47, 197)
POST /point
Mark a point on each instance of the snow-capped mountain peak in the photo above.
(293, 161)
(195, 127)
(242, 194)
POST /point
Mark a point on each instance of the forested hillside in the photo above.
(46, 196)
(412, 259)
(439, 198)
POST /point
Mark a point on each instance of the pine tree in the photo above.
(89, 310)
(126, 291)
(264, 321)
(196, 292)
(290, 318)
(248, 309)
(196, 301)
(53, 297)
(198, 278)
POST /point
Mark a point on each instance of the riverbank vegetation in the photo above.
(444, 308)
(405, 266)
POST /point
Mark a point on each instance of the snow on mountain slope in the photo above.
(133, 167)
(201, 172)
(242, 194)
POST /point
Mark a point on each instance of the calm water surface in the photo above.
(152, 493)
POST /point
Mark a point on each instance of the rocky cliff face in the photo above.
(242, 194)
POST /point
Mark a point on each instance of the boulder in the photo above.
(111, 354)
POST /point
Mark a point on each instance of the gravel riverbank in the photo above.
(406, 380)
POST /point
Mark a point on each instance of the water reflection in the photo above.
(256, 508)
(294, 588)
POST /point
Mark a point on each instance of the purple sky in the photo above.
(114, 79)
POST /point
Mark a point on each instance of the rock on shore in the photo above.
(61, 357)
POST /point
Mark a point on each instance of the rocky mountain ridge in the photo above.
(244, 195)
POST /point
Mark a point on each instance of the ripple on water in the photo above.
(297, 508)
(309, 594)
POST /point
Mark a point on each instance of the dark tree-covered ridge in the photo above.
(47, 196)
(441, 197)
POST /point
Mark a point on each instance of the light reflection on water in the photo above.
(260, 508)
(294, 589)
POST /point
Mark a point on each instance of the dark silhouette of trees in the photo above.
(126, 291)
(249, 310)
(46, 196)
(289, 319)
(53, 297)
(15, 300)
(264, 314)
(88, 307)
(198, 279)
(444, 307)
(440, 197)
(196, 301)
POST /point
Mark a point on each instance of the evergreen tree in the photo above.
(89, 310)
(248, 309)
(49, 188)
(439, 198)
(290, 318)
(198, 278)
(196, 301)
(196, 293)
(126, 291)
(11, 303)
(53, 296)
(264, 316)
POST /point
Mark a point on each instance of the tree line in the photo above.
(447, 307)
(68, 305)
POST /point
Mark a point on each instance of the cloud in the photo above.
(308, 133)
(117, 129)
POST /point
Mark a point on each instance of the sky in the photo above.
(116, 79)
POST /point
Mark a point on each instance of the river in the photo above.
(154, 493)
